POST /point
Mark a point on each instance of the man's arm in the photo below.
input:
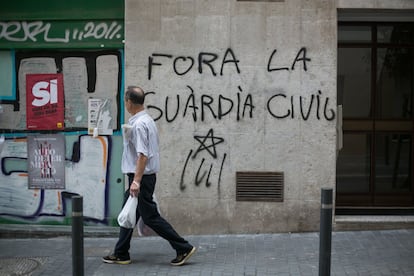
(139, 172)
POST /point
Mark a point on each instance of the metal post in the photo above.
(77, 236)
(325, 235)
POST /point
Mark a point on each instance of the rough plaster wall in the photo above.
(302, 148)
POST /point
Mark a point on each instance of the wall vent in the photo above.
(259, 186)
(261, 0)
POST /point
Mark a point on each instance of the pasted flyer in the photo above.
(46, 154)
(45, 108)
(99, 117)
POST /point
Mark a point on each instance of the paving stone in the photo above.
(382, 252)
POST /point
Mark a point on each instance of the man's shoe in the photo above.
(182, 258)
(112, 259)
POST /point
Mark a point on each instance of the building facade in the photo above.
(259, 104)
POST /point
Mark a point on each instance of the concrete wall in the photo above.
(276, 62)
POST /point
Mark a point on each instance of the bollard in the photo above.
(77, 236)
(325, 235)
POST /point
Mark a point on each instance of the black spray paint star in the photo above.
(210, 147)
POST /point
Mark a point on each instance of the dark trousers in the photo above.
(147, 209)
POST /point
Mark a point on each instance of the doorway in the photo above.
(375, 89)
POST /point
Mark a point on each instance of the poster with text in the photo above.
(44, 102)
(100, 117)
(46, 157)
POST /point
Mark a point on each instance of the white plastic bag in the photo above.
(127, 218)
(126, 132)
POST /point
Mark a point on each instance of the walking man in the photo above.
(140, 161)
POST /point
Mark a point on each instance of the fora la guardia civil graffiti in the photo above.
(239, 104)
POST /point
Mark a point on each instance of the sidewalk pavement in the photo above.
(380, 252)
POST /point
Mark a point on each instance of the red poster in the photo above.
(44, 102)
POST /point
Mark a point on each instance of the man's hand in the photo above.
(134, 189)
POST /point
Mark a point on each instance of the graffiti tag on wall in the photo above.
(192, 103)
(86, 175)
(58, 32)
(199, 106)
(86, 74)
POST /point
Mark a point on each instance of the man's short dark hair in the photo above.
(135, 94)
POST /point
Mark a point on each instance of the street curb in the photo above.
(21, 231)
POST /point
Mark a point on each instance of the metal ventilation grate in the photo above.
(259, 186)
